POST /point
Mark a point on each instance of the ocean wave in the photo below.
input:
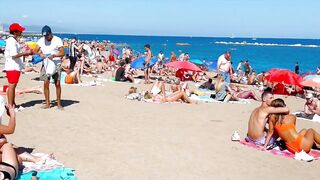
(244, 43)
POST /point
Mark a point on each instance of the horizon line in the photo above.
(190, 36)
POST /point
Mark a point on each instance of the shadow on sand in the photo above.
(65, 103)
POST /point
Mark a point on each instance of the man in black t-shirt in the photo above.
(121, 74)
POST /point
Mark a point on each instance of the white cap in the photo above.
(2, 105)
(309, 95)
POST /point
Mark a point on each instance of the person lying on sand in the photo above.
(257, 132)
(285, 126)
(158, 94)
(243, 94)
(22, 154)
(36, 89)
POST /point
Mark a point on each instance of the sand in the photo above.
(104, 136)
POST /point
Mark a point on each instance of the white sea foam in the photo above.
(244, 43)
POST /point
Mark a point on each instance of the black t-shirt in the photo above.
(120, 74)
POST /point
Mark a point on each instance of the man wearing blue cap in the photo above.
(51, 49)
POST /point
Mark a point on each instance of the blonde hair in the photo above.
(219, 83)
(132, 90)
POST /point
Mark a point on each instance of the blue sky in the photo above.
(243, 18)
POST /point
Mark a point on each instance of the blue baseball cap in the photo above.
(46, 30)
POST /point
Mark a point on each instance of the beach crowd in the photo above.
(173, 79)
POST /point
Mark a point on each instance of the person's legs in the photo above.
(179, 95)
(310, 137)
(58, 92)
(9, 156)
(46, 93)
(11, 92)
(13, 79)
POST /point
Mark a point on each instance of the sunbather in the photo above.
(9, 129)
(223, 91)
(37, 90)
(285, 126)
(243, 94)
(158, 94)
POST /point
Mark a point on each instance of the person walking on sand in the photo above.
(147, 63)
(257, 123)
(14, 64)
(52, 47)
(224, 66)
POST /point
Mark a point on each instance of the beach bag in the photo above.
(49, 66)
(36, 59)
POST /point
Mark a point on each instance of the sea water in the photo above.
(262, 53)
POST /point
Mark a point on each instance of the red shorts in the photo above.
(111, 58)
(4, 88)
(13, 76)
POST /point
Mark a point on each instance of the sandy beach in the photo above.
(104, 136)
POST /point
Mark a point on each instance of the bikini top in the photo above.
(284, 127)
(6, 175)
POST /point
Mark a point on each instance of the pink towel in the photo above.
(275, 151)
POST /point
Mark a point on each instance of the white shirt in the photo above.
(223, 64)
(12, 48)
(160, 56)
(51, 47)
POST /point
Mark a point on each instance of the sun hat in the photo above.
(309, 95)
(16, 27)
(46, 30)
(2, 105)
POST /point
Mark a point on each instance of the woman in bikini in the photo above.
(243, 94)
(285, 126)
(158, 94)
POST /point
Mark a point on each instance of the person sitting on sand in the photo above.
(70, 76)
(158, 94)
(223, 91)
(178, 86)
(252, 78)
(257, 123)
(285, 126)
(121, 75)
(311, 107)
(208, 85)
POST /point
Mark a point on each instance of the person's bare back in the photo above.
(257, 122)
(257, 132)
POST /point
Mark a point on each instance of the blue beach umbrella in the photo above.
(139, 62)
(2, 43)
(197, 61)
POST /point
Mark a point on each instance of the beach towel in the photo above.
(208, 99)
(51, 169)
(277, 151)
(136, 81)
(316, 118)
(58, 173)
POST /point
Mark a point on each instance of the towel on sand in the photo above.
(50, 169)
(277, 151)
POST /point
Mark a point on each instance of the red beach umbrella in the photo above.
(184, 65)
(283, 76)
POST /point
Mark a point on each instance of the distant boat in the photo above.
(232, 36)
(254, 37)
(183, 44)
